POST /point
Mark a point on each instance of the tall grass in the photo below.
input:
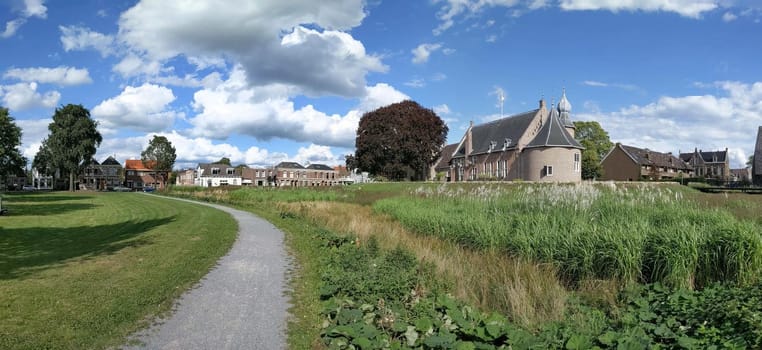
(643, 233)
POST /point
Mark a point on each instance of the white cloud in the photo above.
(315, 154)
(271, 39)
(491, 39)
(144, 108)
(76, 38)
(729, 17)
(455, 8)
(233, 107)
(32, 8)
(423, 51)
(134, 65)
(442, 109)
(594, 83)
(33, 131)
(11, 27)
(415, 83)
(709, 122)
(438, 77)
(448, 51)
(60, 75)
(23, 96)
(685, 8)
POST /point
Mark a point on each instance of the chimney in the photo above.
(542, 103)
(469, 145)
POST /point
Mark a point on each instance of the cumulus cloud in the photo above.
(77, 38)
(685, 8)
(315, 154)
(442, 109)
(33, 131)
(709, 122)
(233, 107)
(23, 96)
(422, 52)
(729, 17)
(31, 8)
(144, 108)
(60, 75)
(270, 38)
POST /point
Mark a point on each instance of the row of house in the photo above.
(539, 145)
(284, 174)
(100, 176)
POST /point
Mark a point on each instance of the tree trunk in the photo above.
(71, 182)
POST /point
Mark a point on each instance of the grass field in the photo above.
(85, 270)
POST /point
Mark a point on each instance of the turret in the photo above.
(564, 114)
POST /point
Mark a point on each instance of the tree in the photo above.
(597, 143)
(750, 161)
(11, 160)
(73, 140)
(224, 160)
(159, 156)
(350, 162)
(399, 141)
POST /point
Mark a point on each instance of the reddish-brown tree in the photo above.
(399, 141)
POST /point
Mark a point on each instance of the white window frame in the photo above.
(577, 167)
(548, 170)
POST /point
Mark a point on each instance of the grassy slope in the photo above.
(86, 270)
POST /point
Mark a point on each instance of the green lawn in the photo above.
(85, 270)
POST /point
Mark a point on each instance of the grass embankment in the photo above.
(644, 234)
(85, 270)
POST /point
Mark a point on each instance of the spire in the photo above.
(564, 111)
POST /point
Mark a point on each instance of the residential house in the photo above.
(441, 169)
(290, 174)
(138, 175)
(537, 145)
(41, 181)
(101, 176)
(186, 177)
(628, 163)
(741, 175)
(258, 177)
(756, 164)
(709, 165)
(218, 174)
(321, 175)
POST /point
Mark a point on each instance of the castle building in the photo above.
(537, 145)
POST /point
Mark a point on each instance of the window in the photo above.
(548, 170)
(215, 171)
(576, 163)
(131, 173)
(223, 182)
(231, 171)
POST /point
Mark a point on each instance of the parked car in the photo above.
(29, 188)
(122, 189)
(148, 189)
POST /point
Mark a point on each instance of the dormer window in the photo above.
(492, 145)
(231, 171)
(215, 171)
(506, 143)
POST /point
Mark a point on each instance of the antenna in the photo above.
(501, 100)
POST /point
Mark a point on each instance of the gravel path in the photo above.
(239, 304)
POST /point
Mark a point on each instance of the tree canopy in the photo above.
(159, 156)
(73, 139)
(11, 160)
(224, 160)
(399, 141)
(597, 143)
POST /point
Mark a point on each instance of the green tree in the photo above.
(11, 160)
(597, 143)
(399, 141)
(224, 160)
(43, 160)
(750, 161)
(73, 140)
(159, 156)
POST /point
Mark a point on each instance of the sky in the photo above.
(266, 81)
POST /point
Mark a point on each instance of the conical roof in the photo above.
(554, 134)
(564, 111)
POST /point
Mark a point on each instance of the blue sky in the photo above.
(264, 81)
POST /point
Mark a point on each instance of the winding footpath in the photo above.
(239, 304)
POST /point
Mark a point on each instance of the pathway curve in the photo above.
(239, 304)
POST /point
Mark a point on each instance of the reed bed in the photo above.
(640, 233)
